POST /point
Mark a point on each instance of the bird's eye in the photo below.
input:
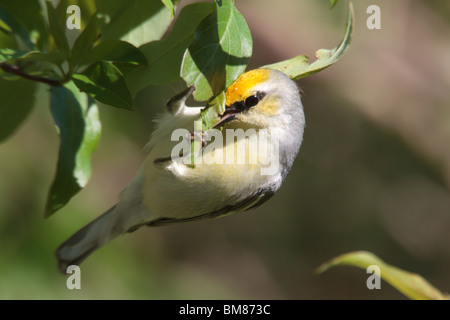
(253, 100)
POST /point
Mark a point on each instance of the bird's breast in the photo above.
(233, 163)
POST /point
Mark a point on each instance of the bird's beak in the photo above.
(230, 113)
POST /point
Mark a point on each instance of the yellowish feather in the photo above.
(242, 87)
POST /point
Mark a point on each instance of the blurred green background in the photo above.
(373, 174)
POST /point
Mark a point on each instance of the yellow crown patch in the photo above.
(241, 88)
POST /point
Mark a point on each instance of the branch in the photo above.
(10, 68)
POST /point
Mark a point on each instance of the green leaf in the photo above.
(79, 129)
(84, 42)
(210, 114)
(165, 56)
(56, 57)
(4, 27)
(21, 35)
(19, 57)
(169, 5)
(116, 51)
(410, 284)
(7, 39)
(15, 105)
(105, 83)
(219, 53)
(11, 54)
(299, 67)
(57, 30)
(333, 3)
(29, 14)
(134, 21)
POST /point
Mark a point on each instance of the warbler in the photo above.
(265, 104)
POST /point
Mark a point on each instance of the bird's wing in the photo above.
(253, 201)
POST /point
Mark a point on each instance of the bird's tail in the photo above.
(85, 241)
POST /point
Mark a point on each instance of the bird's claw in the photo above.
(198, 136)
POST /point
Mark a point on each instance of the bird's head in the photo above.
(261, 98)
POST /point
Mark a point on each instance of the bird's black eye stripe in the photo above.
(254, 99)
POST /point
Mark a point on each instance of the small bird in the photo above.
(263, 103)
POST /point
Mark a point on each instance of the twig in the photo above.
(10, 68)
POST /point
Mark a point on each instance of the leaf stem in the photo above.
(60, 68)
